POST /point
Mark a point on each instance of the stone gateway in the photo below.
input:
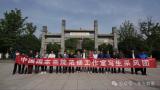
(80, 34)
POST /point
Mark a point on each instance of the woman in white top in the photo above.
(51, 55)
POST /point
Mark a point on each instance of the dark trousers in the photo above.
(144, 71)
(23, 69)
(94, 70)
(58, 69)
(15, 68)
(71, 69)
(78, 68)
(50, 69)
(101, 70)
(42, 68)
(121, 70)
(107, 69)
(30, 69)
(89, 69)
(132, 70)
(113, 70)
(64, 69)
(138, 69)
(36, 68)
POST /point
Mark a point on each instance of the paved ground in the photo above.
(77, 81)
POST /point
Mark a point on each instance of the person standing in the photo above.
(107, 56)
(84, 56)
(51, 55)
(37, 66)
(100, 56)
(120, 56)
(71, 68)
(59, 56)
(24, 66)
(17, 54)
(133, 57)
(65, 55)
(30, 67)
(142, 55)
(114, 56)
(78, 69)
(90, 56)
(95, 56)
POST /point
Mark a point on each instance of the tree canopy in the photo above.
(16, 33)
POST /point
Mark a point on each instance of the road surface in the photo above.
(77, 81)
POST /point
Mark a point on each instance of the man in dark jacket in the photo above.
(71, 68)
(30, 67)
(100, 56)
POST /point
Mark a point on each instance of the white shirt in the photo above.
(95, 56)
(133, 56)
(52, 55)
(84, 55)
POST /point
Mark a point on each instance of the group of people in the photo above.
(29, 69)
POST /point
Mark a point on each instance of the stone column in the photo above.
(96, 34)
(62, 36)
(43, 40)
(115, 43)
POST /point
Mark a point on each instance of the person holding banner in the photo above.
(107, 56)
(90, 56)
(142, 55)
(24, 66)
(100, 56)
(132, 56)
(43, 67)
(114, 56)
(65, 55)
(37, 66)
(78, 69)
(71, 68)
(120, 56)
(95, 56)
(84, 56)
(17, 54)
(59, 68)
(30, 67)
(51, 55)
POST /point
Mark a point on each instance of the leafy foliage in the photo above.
(16, 33)
(105, 47)
(88, 44)
(53, 47)
(129, 38)
(151, 31)
(71, 43)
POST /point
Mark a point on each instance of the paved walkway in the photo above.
(77, 81)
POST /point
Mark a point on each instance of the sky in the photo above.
(81, 13)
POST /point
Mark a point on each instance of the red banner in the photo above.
(79, 62)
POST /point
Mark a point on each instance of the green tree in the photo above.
(30, 28)
(11, 27)
(105, 47)
(27, 43)
(151, 32)
(129, 38)
(53, 47)
(17, 33)
(71, 43)
(88, 44)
